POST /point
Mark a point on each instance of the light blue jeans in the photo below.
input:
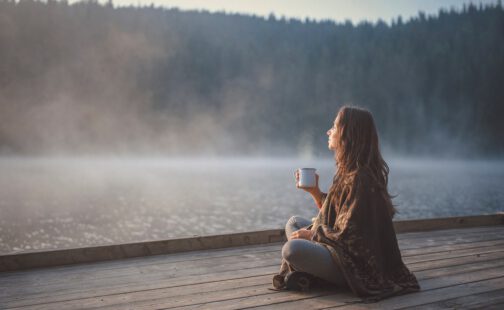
(308, 256)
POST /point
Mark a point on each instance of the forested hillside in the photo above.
(91, 78)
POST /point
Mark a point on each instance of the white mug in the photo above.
(307, 177)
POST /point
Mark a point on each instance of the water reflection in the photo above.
(60, 203)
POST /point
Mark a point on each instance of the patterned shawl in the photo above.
(361, 238)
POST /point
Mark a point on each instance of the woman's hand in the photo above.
(302, 234)
(311, 190)
(315, 191)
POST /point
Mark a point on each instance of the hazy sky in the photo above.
(338, 10)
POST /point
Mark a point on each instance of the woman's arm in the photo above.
(318, 196)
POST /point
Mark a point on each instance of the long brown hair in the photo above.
(357, 151)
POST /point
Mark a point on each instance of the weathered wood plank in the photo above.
(458, 237)
(337, 301)
(449, 232)
(450, 247)
(346, 297)
(132, 263)
(431, 285)
(469, 285)
(449, 223)
(82, 290)
(233, 299)
(172, 269)
(159, 277)
(458, 269)
(498, 306)
(145, 298)
(212, 291)
(309, 302)
(178, 295)
(455, 261)
(144, 274)
(175, 276)
(433, 290)
(162, 258)
(473, 301)
(340, 299)
(445, 257)
(418, 244)
(452, 253)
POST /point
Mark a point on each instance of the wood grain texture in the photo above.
(459, 267)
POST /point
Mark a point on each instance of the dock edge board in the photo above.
(39, 259)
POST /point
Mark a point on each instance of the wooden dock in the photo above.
(458, 268)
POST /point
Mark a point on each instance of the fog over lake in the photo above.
(76, 202)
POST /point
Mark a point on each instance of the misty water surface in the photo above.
(60, 203)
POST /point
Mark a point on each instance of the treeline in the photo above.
(92, 78)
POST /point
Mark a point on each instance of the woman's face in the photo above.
(332, 134)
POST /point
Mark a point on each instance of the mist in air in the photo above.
(142, 123)
(87, 79)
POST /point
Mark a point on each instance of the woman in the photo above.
(352, 241)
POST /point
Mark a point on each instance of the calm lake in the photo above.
(61, 203)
